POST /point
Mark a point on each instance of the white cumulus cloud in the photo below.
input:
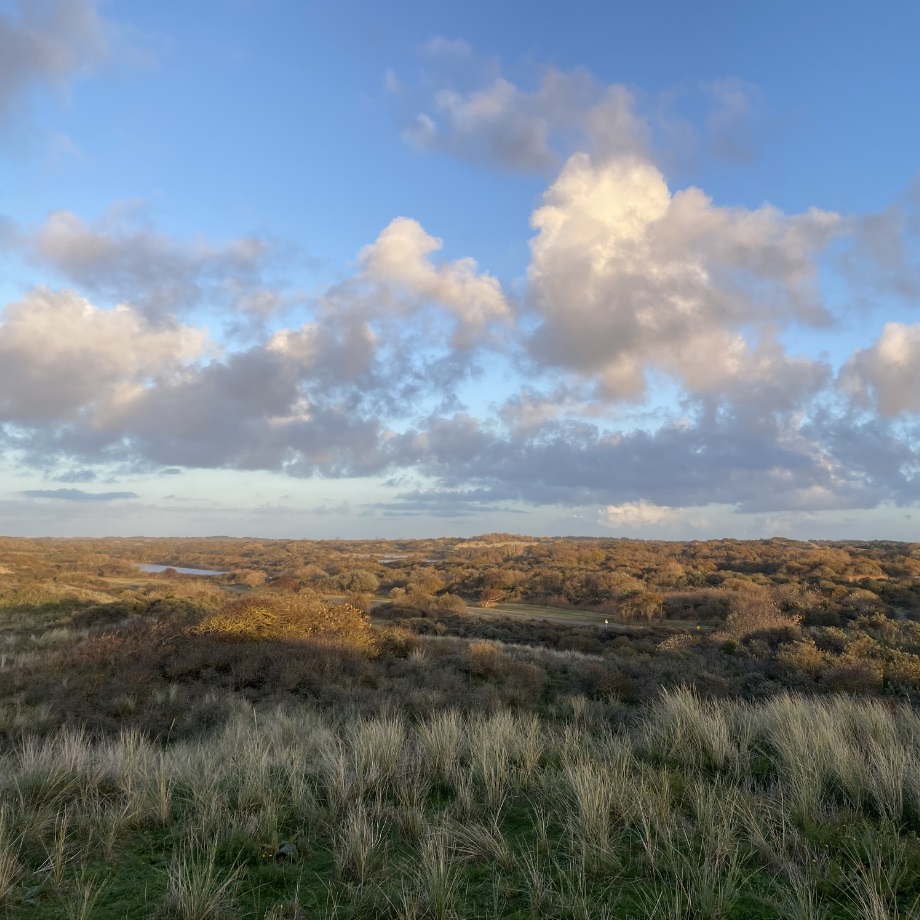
(399, 265)
(62, 358)
(637, 514)
(886, 375)
(629, 277)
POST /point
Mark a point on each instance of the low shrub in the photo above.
(805, 656)
(483, 659)
(393, 642)
(287, 617)
(854, 676)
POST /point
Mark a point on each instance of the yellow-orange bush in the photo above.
(902, 668)
(805, 656)
(271, 615)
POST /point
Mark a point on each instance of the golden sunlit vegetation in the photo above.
(738, 740)
(289, 617)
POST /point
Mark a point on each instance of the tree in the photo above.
(489, 597)
(425, 580)
(641, 605)
(358, 581)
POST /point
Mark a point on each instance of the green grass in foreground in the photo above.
(790, 808)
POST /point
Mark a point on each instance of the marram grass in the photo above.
(791, 808)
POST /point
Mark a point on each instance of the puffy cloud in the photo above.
(884, 255)
(304, 402)
(61, 357)
(487, 125)
(249, 413)
(84, 384)
(335, 353)
(47, 42)
(502, 125)
(398, 267)
(119, 258)
(256, 409)
(628, 277)
(467, 107)
(886, 375)
(637, 514)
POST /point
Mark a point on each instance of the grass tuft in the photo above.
(197, 889)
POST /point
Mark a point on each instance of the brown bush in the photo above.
(580, 641)
(854, 676)
(393, 642)
(528, 679)
(602, 681)
(483, 658)
(755, 614)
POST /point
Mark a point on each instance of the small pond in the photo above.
(146, 567)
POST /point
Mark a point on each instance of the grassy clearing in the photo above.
(539, 610)
(577, 617)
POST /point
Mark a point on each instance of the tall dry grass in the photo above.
(667, 815)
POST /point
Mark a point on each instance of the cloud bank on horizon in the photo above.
(661, 363)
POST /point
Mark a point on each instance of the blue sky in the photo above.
(287, 269)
